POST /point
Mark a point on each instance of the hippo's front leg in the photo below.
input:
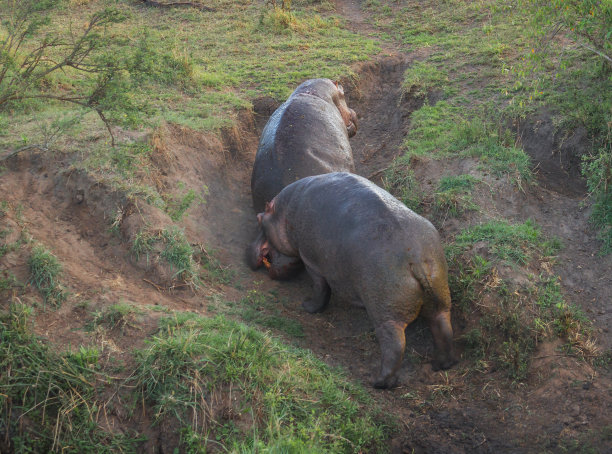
(321, 293)
(392, 341)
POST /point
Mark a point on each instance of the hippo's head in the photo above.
(348, 115)
(331, 92)
(262, 252)
(274, 225)
(257, 252)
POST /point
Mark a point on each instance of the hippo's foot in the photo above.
(392, 341)
(385, 382)
(442, 331)
(443, 364)
(314, 306)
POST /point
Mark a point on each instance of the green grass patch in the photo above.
(118, 315)
(515, 310)
(441, 131)
(514, 243)
(171, 246)
(598, 171)
(399, 180)
(197, 68)
(422, 77)
(293, 400)
(453, 196)
(189, 264)
(49, 400)
(179, 254)
(142, 244)
(262, 309)
(467, 277)
(45, 271)
(8, 281)
(430, 133)
(176, 206)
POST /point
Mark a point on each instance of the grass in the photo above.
(597, 170)
(501, 69)
(171, 246)
(48, 400)
(443, 131)
(293, 400)
(45, 271)
(263, 310)
(258, 309)
(283, 397)
(8, 281)
(174, 67)
(423, 77)
(176, 206)
(400, 181)
(453, 196)
(515, 243)
(117, 315)
(194, 266)
(515, 310)
(178, 253)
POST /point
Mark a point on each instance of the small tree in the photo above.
(26, 64)
(588, 22)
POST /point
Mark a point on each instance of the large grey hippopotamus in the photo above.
(307, 135)
(358, 241)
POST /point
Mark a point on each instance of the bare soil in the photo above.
(440, 412)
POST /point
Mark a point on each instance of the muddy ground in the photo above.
(563, 398)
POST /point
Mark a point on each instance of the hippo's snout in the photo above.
(257, 251)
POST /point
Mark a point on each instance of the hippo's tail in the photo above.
(434, 280)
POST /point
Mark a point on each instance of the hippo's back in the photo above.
(348, 215)
(305, 136)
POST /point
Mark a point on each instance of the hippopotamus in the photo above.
(307, 135)
(358, 241)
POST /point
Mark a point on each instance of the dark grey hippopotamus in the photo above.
(307, 135)
(358, 241)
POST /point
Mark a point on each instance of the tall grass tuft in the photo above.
(45, 270)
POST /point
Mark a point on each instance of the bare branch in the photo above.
(40, 147)
(596, 51)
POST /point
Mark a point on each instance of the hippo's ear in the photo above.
(270, 207)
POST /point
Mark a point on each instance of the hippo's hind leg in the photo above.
(321, 293)
(392, 341)
(442, 331)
